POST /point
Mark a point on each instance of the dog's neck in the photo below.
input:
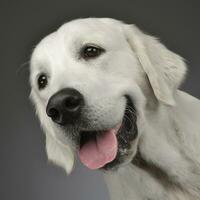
(141, 180)
(161, 168)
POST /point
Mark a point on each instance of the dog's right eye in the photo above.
(42, 81)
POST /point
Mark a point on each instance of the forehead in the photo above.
(90, 25)
(73, 35)
(91, 30)
(85, 30)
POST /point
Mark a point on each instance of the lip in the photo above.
(125, 125)
(126, 134)
(124, 130)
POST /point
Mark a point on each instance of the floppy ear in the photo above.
(59, 153)
(58, 148)
(165, 69)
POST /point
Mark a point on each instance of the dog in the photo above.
(108, 92)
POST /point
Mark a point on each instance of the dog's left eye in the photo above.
(91, 51)
(42, 81)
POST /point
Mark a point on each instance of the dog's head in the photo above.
(92, 81)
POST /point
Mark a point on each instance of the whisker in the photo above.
(122, 138)
(131, 122)
(127, 117)
(132, 110)
(22, 67)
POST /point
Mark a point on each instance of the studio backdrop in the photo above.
(25, 173)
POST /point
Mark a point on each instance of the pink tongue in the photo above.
(96, 153)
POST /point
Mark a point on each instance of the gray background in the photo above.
(24, 171)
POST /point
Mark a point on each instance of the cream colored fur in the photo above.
(137, 64)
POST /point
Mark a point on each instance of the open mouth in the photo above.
(99, 149)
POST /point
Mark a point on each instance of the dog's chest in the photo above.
(132, 183)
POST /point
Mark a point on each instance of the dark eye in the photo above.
(42, 81)
(91, 51)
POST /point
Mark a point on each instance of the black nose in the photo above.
(64, 107)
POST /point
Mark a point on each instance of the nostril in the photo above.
(72, 103)
(53, 113)
(65, 106)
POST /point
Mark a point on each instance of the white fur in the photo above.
(135, 64)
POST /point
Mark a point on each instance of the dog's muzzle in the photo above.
(65, 106)
(105, 148)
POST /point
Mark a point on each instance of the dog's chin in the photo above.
(110, 148)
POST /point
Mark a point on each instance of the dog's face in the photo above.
(90, 88)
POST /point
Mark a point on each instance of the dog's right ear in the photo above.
(59, 153)
(58, 148)
(164, 69)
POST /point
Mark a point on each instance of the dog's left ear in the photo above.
(165, 69)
